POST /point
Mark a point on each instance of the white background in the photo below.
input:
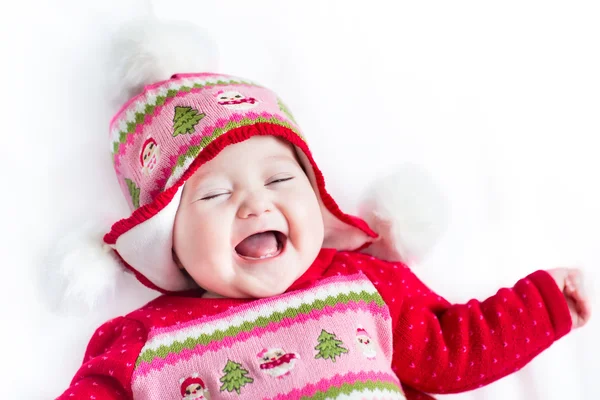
(500, 102)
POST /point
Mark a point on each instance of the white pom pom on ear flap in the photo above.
(408, 211)
(148, 50)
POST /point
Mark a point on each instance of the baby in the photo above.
(268, 290)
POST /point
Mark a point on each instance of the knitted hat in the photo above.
(160, 137)
(174, 122)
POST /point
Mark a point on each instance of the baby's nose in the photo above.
(254, 206)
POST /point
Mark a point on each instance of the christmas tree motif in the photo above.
(234, 378)
(285, 110)
(134, 191)
(329, 346)
(185, 120)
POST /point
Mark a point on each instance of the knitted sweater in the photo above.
(351, 327)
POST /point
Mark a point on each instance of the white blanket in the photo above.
(499, 102)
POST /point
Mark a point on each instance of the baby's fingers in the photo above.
(580, 311)
(575, 290)
(574, 283)
(584, 309)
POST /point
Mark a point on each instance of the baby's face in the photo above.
(249, 222)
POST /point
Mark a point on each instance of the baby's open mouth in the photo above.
(262, 245)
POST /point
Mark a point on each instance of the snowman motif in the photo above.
(235, 100)
(193, 388)
(276, 362)
(365, 344)
(149, 156)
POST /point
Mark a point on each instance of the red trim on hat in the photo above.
(233, 136)
(140, 277)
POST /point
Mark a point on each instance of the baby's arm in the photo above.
(444, 348)
(109, 362)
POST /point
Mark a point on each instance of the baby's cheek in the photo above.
(307, 221)
(213, 234)
(304, 203)
(195, 232)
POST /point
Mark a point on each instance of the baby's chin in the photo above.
(269, 277)
(260, 293)
(247, 291)
(258, 278)
(273, 280)
(273, 285)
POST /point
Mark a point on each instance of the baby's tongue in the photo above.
(258, 245)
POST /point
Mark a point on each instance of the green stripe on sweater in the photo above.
(348, 388)
(218, 335)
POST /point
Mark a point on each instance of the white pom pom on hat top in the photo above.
(146, 51)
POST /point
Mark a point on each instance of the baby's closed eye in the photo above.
(279, 180)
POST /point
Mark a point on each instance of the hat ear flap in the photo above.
(348, 234)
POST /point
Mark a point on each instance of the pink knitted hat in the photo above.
(160, 137)
(170, 123)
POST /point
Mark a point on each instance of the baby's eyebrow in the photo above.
(280, 157)
(198, 182)
(205, 181)
(201, 174)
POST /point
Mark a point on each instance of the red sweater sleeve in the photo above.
(109, 362)
(444, 348)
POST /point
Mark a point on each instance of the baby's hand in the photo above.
(570, 282)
